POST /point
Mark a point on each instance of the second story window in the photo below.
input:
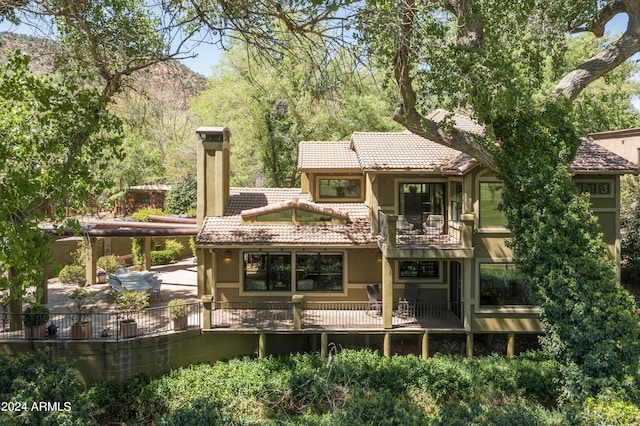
(490, 199)
(331, 188)
(456, 201)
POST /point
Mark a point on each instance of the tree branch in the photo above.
(605, 14)
(595, 67)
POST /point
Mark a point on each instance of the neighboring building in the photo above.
(416, 218)
(625, 143)
(141, 197)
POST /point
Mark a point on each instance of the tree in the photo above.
(285, 102)
(55, 140)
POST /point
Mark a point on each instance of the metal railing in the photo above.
(105, 326)
(330, 315)
(252, 314)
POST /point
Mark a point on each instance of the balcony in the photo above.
(398, 237)
(296, 316)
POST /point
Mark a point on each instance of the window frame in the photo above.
(359, 179)
(268, 272)
(319, 272)
(500, 264)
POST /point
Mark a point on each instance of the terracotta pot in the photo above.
(179, 323)
(35, 331)
(128, 329)
(81, 331)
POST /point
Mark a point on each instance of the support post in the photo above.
(511, 343)
(262, 345)
(207, 304)
(147, 253)
(425, 345)
(392, 229)
(324, 345)
(387, 293)
(296, 302)
(387, 344)
(470, 345)
(90, 256)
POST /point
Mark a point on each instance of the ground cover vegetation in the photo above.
(353, 386)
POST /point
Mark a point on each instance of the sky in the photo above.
(207, 55)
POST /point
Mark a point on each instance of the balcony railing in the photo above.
(282, 316)
(398, 232)
(104, 326)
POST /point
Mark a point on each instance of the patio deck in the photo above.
(330, 316)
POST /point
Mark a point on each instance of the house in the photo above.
(625, 143)
(388, 234)
(141, 197)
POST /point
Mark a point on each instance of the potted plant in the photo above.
(35, 318)
(178, 311)
(128, 304)
(83, 306)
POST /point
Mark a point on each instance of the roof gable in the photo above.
(294, 204)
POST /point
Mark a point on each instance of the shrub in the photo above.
(34, 378)
(174, 246)
(162, 257)
(378, 408)
(70, 274)
(143, 214)
(192, 246)
(608, 411)
(108, 263)
(36, 314)
(177, 308)
(136, 250)
(182, 197)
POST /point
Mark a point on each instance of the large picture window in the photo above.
(319, 271)
(267, 271)
(501, 284)
(490, 199)
(340, 188)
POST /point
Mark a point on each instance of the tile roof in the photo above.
(405, 151)
(323, 155)
(250, 198)
(400, 151)
(295, 204)
(592, 157)
(230, 230)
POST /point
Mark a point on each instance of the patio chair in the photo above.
(433, 225)
(403, 225)
(157, 282)
(407, 304)
(375, 300)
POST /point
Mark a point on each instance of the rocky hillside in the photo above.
(172, 79)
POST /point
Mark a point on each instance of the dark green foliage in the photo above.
(35, 314)
(136, 250)
(630, 226)
(182, 197)
(162, 257)
(37, 378)
(590, 321)
(352, 387)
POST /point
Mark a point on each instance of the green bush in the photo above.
(108, 263)
(143, 214)
(34, 378)
(174, 246)
(606, 411)
(162, 257)
(70, 274)
(182, 197)
(378, 408)
(192, 246)
(35, 314)
(136, 250)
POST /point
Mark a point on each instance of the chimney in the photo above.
(213, 171)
